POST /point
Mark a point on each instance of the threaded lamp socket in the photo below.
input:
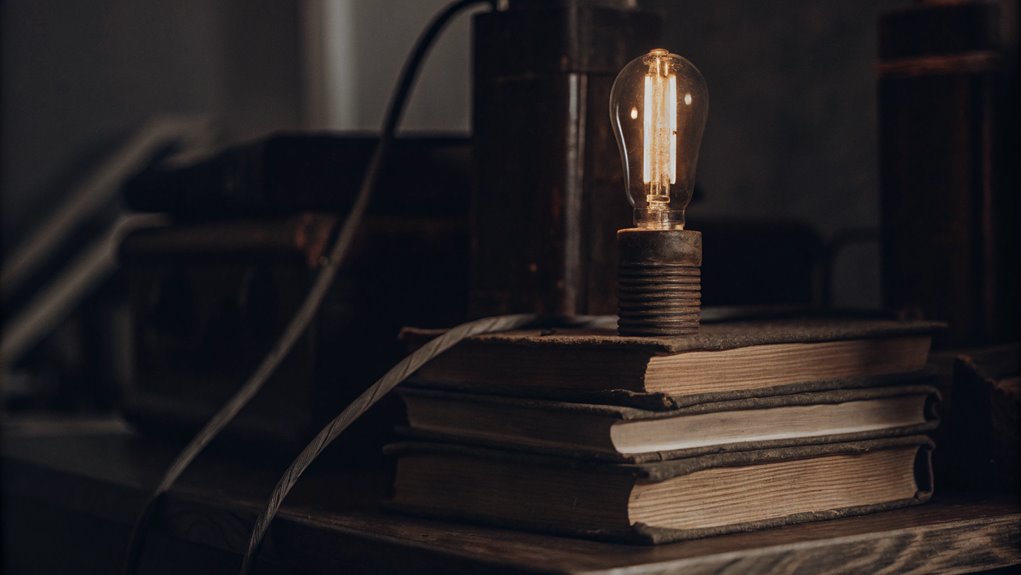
(659, 282)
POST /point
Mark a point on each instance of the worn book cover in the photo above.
(660, 502)
(627, 434)
(723, 361)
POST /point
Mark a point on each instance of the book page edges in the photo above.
(649, 535)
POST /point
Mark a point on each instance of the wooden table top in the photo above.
(67, 477)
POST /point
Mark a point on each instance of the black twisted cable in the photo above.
(312, 301)
(367, 399)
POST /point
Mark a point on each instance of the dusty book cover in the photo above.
(590, 472)
(911, 386)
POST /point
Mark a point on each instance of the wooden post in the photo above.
(548, 190)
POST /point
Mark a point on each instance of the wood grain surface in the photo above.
(85, 485)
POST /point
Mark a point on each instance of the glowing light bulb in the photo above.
(658, 108)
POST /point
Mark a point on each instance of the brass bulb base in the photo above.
(659, 282)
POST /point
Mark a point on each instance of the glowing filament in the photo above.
(659, 163)
(658, 106)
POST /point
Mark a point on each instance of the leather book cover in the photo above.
(292, 172)
(912, 385)
(644, 534)
(598, 366)
(666, 403)
(712, 336)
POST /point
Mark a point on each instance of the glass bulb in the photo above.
(658, 108)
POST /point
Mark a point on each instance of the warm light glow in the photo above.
(671, 133)
(658, 106)
(647, 132)
(659, 129)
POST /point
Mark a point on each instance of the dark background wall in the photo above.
(354, 50)
(791, 134)
(792, 121)
(78, 76)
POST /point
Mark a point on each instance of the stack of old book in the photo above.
(747, 424)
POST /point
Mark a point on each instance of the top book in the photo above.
(726, 360)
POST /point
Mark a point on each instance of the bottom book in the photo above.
(663, 501)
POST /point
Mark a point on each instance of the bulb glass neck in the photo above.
(663, 217)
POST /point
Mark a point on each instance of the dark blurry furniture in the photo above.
(208, 300)
(289, 172)
(948, 139)
(71, 491)
(986, 434)
(211, 292)
(770, 263)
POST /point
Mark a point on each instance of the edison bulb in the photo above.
(658, 108)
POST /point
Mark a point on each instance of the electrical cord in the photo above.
(384, 385)
(367, 399)
(313, 299)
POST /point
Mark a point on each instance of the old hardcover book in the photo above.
(664, 501)
(985, 445)
(291, 172)
(617, 433)
(726, 360)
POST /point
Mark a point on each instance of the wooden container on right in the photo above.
(949, 139)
